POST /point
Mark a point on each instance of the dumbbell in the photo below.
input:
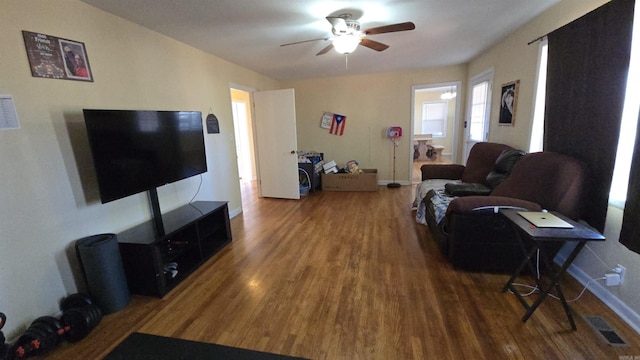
(44, 334)
(80, 321)
(3, 346)
(73, 301)
(3, 320)
(79, 316)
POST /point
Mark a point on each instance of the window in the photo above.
(619, 184)
(478, 111)
(434, 118)
(537, 126)
(480, 102)
(628, 125)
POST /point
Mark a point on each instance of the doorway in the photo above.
(243, 133)
(266, 141)
(435, 123)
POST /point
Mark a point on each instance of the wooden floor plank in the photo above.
(339, 275)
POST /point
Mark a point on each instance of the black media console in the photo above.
(156, 261)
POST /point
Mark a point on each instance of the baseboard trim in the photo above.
(235, 212)
(607, 297)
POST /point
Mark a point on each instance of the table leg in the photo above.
(549, 264)
(554, 283)
(423, 147)
(526, 262)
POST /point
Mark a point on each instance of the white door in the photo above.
(276, 144)
(479, 108)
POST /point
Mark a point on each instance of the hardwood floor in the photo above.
(341, 275)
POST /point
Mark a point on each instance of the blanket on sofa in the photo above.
(421, 191)
(439, 199)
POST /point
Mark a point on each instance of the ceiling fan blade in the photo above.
(325, 50)
(377, 46)
(339, 24)
(305, 41)
(390, 28)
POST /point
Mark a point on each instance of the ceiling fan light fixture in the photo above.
(346, 44)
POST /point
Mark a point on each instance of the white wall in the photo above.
(48, 192)
(513, 59)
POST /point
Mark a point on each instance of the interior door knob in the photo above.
(293, 151)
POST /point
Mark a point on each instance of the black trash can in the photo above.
(99, 256)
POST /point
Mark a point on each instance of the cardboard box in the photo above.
(367, 181)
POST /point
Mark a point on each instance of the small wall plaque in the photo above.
(213, 126)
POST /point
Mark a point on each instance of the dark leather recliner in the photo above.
(474, 237)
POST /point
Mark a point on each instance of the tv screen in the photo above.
(137, 150)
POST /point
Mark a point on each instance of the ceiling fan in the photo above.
(347, 35)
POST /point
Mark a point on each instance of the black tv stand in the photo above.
(155, 262)
(156, 212)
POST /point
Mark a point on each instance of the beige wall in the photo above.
(371, 103)
(513, 59)
(49, 194)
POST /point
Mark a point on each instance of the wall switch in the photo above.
(612, 279)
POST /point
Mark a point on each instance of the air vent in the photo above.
(607, 333)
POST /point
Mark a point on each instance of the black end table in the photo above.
(580, 234)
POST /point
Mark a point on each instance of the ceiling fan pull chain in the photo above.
(346, 62)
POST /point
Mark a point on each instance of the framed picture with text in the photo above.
(55, 58)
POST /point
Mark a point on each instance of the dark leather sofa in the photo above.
(472, 234)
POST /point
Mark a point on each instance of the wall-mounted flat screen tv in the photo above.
(138, 150)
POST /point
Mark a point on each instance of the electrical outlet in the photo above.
(621, 270)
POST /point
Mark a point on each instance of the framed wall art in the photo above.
(508, 103)
(56, 58)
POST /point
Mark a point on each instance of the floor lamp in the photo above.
(394, 133)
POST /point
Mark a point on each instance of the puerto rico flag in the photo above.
(337, 124)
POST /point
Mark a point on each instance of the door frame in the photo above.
(254, 136)
(250, 137)
(486, 75)
(243, 135)
(457, 85)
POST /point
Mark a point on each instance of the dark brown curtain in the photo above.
(630, 233)
(586, 80)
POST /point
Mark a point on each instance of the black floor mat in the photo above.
(138, 346)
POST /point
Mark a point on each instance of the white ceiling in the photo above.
(249, 33)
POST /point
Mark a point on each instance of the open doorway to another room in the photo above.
(435, 124)
(243, 131)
